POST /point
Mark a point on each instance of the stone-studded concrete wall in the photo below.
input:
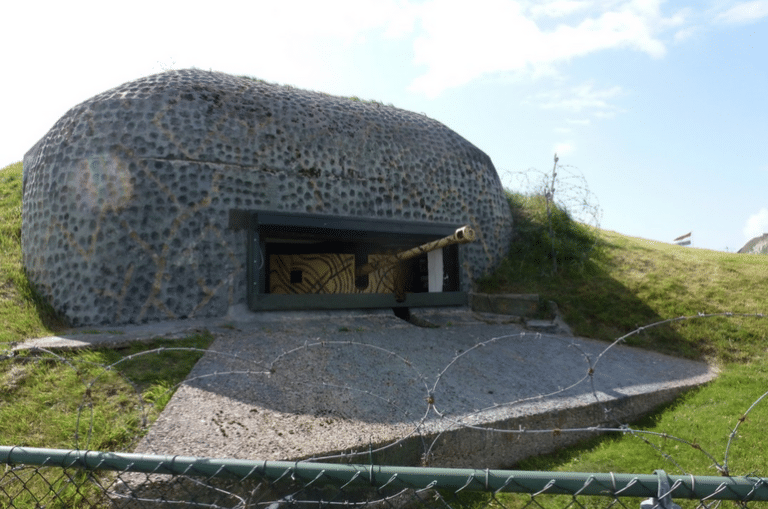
(127, 198)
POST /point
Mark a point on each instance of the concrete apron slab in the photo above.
(370, 387)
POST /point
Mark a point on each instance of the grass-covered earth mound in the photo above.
(608, 285)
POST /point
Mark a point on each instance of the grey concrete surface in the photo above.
(368, 386)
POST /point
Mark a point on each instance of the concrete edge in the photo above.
(486, 447)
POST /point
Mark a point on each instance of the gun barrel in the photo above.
(463, 235)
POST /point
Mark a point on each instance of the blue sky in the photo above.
(661, 106)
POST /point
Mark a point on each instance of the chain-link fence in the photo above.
(69, 478)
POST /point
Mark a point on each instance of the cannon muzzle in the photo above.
(463, 235)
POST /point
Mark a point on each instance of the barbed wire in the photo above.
(428, 409)
(569, 190)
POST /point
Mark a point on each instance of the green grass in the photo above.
(689, 436)
(608, 285)
(90, 399)
(703, 419)
(95, 399)
(22, 312)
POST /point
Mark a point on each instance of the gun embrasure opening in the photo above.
(307, 261)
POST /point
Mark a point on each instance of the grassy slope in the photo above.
(630, 282)
(22, 313)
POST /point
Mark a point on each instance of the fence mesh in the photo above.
(96, 479)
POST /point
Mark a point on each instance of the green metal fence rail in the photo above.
(702, 488)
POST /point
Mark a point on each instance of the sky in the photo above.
(659, 109)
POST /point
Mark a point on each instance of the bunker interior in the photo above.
(308, 261)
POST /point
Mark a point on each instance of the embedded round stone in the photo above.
(127, 198)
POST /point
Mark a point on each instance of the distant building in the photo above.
(758, 245)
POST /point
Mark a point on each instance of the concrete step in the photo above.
(524, 308)
(523, 305)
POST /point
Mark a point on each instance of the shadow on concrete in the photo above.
(346, 385)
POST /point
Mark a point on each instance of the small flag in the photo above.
(684, 240)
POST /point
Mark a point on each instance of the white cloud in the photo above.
(686, 33)
(678, 18)
(582, 98)
(459, 42)
(756, 225)
(559, 8)
(745, 12)
(564, 148)
(620, 29)
(308, 44)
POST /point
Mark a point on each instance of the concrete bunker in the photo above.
(184, 193)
